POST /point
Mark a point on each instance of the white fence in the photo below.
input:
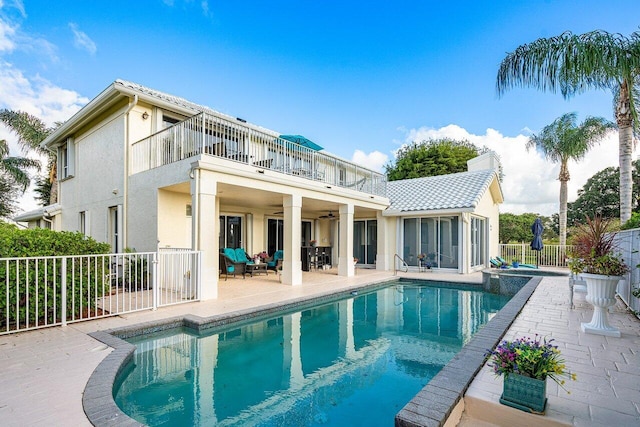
(37, 292)
(628, 245)
(549, 256)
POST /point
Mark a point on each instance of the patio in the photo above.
(43, 372)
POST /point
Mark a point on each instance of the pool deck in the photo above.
(43, 373)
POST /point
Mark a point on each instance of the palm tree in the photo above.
(574, 63)
(14, 178)
(562, 141)
(31, 131)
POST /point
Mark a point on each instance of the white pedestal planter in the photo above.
(601, 293)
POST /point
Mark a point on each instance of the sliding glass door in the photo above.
(433, 238)
(365, 241)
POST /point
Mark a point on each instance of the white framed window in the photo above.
(83, 223)
(66, 159)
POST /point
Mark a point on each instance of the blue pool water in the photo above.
(353, 362)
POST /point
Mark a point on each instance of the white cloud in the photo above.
(35, 96)
(81, 40)
(530, 182)
(374, 160)
(7, 36)
(13, 39)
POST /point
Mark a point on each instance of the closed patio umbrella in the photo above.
(536, 243)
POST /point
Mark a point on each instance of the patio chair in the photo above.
(236, 259)
(227, 267)
(277, 255)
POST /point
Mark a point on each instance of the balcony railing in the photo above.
(214, 136)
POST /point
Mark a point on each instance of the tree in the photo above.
(31, 131)
(517, 228)
(575, 63)
(562, 141)
(432, 157)
(599, 196)
(14, 178)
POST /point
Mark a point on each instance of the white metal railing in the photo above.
(550, 256)
(37, 292)
(627, 244)
(215, 136)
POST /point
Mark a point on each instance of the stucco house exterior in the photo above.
(142, 169)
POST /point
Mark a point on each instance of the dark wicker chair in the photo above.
(228, 266)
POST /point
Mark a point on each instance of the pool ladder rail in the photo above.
(402, 262)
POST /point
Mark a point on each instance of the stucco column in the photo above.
(345, 257)
(292, 266)
(383, 245)
(205, 230)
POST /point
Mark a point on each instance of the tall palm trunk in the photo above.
(563, 177)
(624, 118)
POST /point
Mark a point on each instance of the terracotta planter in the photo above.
(524, 393)
(601, 293)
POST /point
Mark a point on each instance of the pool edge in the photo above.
(433, 405)
(97, 399)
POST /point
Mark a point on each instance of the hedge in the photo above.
(30, 288)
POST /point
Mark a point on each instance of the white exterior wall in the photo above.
(98, 180)
(489, 209)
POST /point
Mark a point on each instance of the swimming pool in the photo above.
(352, 362)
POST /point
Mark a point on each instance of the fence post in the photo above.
(63, 284)
(198, 270)
(523, 249)
(155, 281)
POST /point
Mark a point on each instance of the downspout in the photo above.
(125, 189)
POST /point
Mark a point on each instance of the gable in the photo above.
(453, 192)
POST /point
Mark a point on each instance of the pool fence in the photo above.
(37, 292)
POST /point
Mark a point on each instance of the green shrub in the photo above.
(633, 222)
(37, 297)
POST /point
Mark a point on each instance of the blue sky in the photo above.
(359, 78)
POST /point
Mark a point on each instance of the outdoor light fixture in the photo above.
(260, 170)
(241, 120)
(328, 186)
(145, 115)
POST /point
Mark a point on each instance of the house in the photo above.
(142, 169)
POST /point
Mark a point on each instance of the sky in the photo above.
(360, 78)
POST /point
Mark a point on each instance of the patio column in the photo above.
(292, 266)
(382, 258)
(205, 230)
(345, 257)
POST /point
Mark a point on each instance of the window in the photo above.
(66, 159)
(188, 210)
(83, 226)
(230, 231)
(478, 226)
(435, 237)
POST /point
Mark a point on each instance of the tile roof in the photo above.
(182, 102)
(453, 191)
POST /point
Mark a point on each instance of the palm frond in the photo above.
(31, 131)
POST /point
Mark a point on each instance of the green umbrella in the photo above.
(302, 141)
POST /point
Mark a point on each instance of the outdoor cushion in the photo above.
(231, 253)
(276, 256)
(528, 266)
(241, 255)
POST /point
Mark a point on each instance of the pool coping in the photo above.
(433, 405)
(101, 410)
(97, 399)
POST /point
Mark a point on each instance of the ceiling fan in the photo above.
(329, 216)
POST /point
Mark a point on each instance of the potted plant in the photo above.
(312, 243)
(526, 364)
(515, 262)
(594, 258)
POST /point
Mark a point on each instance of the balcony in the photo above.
(205, 134)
